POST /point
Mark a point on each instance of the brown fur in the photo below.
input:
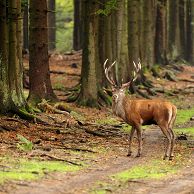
(138, 112)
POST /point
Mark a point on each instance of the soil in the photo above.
(110, 150)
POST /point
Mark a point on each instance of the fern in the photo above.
(109, 6)
(24, 144)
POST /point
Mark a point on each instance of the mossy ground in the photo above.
(154, 169)
(184, 115)
(24, 169)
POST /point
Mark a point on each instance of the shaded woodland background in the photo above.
(156, 32)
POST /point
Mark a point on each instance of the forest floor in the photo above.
(89, 156)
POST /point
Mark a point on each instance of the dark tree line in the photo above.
(11, 67)
(154, 31)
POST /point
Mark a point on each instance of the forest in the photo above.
(96, 96)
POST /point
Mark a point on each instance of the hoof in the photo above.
(138, 155)
(129, 154)
(165, 157)
(171, 157)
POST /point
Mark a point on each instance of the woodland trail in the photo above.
(84, 180)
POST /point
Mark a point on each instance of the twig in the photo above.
(60, 159)
(80, 149)
(75, 149)
(63, 72)
(17, 120)
(95, 133)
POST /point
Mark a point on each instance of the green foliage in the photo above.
(184, 115)
(108, 7)
(30, 169)
(24, 3)
(24, 144)
(64, 25)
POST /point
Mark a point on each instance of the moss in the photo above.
(23, 169)
(78, 116)
(189, 130)
(154, 170)
(126, 128)
(108, 120)
(99, 191)
(59, 86)
(24, 114)
(184, 115)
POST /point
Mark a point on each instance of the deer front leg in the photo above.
(139, 138)
(130, 140)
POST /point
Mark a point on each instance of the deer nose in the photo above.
(114, 97)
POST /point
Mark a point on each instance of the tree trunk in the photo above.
(51, 25)
(15, 54)
(161, 33)
(191, 31)
(121, 42)
(89, 92)
(183, 28)
(77, 31)
(149, 18)
(5, 99)
(39, 74)
(133, 30)
(25, 29)
(173, 30)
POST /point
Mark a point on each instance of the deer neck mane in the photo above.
(118, 108)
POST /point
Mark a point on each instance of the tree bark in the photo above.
(15, 54)
(134, 31)
(191, 32)
(51, 25)
(149, 18)
(39, 75)
(173, 31)
(77, 30)
(161, 32)
(25, 29)
(89, 91)
(5, 99)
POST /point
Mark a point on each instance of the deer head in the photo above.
(119, 91)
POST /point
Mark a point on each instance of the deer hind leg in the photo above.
(130, 140)
(168, 135)
(172, 135)
(139, 138)
(172, 144)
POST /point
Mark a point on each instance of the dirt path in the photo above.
(82, 181)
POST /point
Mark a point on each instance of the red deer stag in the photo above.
(138, 112)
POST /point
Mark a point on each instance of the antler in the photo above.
(106, 70)
(135, 74)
